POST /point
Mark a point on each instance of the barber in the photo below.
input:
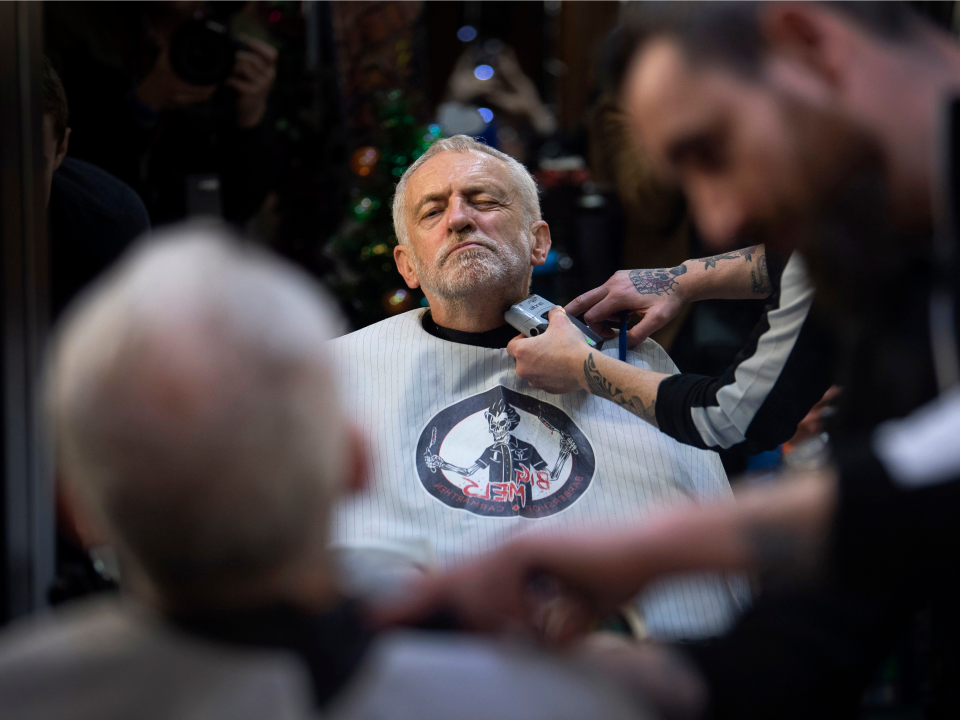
(884, 518)
(785, 367)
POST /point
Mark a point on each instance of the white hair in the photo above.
(195, 411)
(526, 186)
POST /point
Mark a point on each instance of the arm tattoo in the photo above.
(601, 387)
(661, 281)
(746, 253)
(760, 278)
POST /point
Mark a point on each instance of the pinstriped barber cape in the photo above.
(464, 456)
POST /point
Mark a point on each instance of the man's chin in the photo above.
(483, 292)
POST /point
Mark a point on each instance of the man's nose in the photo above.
(459, 216)
(721, 216)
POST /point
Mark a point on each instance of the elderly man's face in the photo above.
(468, 234)
(756, 164)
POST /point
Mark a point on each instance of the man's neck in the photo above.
(310, 589)
(468, 318)
(478, 313)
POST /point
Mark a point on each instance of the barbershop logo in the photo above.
(503, 454)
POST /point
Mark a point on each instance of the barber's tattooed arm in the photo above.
(602, 386)
(759, 278)
(662, 281)
(740, 274)
(655, 296)
(747, 254)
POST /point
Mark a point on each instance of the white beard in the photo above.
(458, 278)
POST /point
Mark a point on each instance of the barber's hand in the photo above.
(554, 360)
(618, 294)
(504, 591)
(162, 89)
(254, 71)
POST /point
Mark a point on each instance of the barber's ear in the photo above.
(541, 243)
(401, 255)
(810, 35)
(357, 471)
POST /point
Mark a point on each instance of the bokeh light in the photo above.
(466, 33)
(483, 72)
(363, 160)
(486, 114)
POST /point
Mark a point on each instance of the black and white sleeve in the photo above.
(786, 366)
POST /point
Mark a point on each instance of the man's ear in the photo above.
(810, 35)
(75, 518)
(62, 149)
(541, 243)
(357, 471)
(401, 255)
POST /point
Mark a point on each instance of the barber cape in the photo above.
(464, 456)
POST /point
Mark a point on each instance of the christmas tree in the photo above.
(366, 278)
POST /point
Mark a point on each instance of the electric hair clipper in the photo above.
(530, 318)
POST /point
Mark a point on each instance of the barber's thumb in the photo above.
(513, 347)
(641, 331)
(557, 314)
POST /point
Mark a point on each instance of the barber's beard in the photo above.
(855, 251)
(496, 272)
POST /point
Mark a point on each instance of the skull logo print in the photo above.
(505, 454)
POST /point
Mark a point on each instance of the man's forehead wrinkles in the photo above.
(468, 184)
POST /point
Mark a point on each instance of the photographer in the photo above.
(186, 148)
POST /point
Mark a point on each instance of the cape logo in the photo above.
(504, 454)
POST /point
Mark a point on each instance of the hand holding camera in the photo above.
(200, 56)
(253, 74)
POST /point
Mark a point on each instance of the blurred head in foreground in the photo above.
(198, 424)
(468, 221)
(794, 124)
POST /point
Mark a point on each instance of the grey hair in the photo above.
(525, 184)
(195, 412)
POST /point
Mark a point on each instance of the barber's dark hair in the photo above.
(729, 32)
(55, 100)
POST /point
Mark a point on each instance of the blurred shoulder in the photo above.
(105, 659)
(98, 194)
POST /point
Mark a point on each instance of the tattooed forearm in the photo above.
(760, 278)
(746, 253)
(661, 281)
(601, 387)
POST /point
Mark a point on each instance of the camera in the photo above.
(202, 52)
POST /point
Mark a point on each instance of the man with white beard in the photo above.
(464, 454)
